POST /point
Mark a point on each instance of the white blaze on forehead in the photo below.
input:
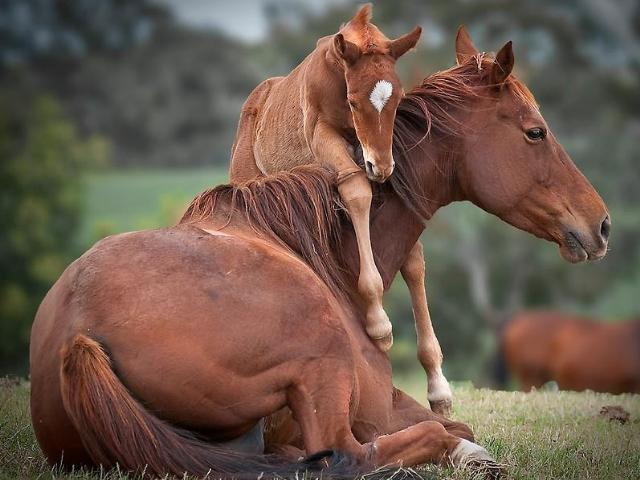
(380, 94)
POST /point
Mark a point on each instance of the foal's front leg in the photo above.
(355, 192)
(329, 148)
(429, 352)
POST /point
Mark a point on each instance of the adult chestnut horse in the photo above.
(576, 352)
(346, 88)
(155, 344)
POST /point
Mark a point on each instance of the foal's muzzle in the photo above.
(376, 174)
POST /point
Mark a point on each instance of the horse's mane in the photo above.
(427, 115)
(300, 209)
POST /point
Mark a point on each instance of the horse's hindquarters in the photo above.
(193, 325)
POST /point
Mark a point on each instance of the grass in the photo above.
(124, 200)
(540, 435)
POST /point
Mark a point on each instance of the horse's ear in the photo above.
(465, 48)
(362, 16)
(502, 65)
(403, 44)
(346, 50)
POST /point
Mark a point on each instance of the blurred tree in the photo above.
(66, 30)
(41, 165)
(124, 69)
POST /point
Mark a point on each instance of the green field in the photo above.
(540, 435)
(125, 200)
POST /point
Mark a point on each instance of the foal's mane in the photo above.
(301, 210)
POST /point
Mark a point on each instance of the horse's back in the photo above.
(603, 357)
(271, 133)
(280, 142)
(527, 342)
(243, 165)
(207, 330)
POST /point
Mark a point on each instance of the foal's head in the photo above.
(513, 166)
(373, 88)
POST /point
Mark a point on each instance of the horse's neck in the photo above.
(394, 227)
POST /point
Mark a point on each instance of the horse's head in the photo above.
(514, 167)
(373, 87)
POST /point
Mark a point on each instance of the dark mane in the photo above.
(299, 209)
(427, 113)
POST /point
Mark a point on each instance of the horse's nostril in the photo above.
(368, 165)
(605, 228)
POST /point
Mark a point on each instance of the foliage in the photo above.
(41, 163)
(72, 29)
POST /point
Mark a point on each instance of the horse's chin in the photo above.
(573, 253)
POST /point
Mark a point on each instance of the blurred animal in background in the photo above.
(346, 88)
(576, 352)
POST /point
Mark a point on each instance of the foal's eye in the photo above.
(536, 134)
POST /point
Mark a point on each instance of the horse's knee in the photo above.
(413, 270)
(370, 285)
(460, 430)
(425, 442)
(356, 192)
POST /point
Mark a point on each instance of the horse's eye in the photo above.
(536, 134)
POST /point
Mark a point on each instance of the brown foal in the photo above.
(346, 88)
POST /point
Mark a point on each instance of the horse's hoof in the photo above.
(384, 343)
(441, 407)
(472, 456)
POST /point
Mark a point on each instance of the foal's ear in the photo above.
(348, 51)
(502, 65)
(362, 16)
(403, 44)
(465, 48)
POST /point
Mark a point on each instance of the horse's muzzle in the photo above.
(579, 246)
(376, 174)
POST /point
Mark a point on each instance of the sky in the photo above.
(244, 19)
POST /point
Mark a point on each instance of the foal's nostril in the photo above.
(368, 166)
(605, 228)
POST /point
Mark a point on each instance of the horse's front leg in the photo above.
(429, 352)
(355, 191)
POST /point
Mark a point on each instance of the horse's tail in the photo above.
(116, 429)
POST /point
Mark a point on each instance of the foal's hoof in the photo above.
(441, 407)
(379, 329)
(472, 456)
(384, 343)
